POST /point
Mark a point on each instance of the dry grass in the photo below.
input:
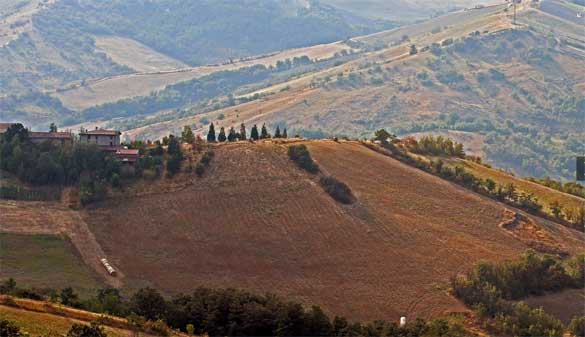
(346, 110)
(135, 55)
(544, 194)
(42, 318)
(563, 305)
(114, 88)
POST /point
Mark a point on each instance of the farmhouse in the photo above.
(57, 137)
(105, 138)
(129, 156)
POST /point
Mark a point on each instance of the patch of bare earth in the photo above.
(256, 221)
(563, 305)
(528, 231)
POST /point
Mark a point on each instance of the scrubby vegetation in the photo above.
(437, 146)
(400, 149)
(491, 289)
(231, 312)
(569, 187)
(301, 156)
(337, 190)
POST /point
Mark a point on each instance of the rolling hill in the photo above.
(403, 10)
(48, 45)
(515, 87)
(256, 221)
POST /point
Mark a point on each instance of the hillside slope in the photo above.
(403, 10)
(255, 221)
(514, 87)
(46, 46)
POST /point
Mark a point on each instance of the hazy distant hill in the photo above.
(46, 45)
(404, 10)
(513, 89)
(205, 31)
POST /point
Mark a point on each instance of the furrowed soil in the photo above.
(256, 221)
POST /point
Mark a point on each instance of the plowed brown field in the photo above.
(255, 221)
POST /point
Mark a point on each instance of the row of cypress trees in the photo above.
(233, 135)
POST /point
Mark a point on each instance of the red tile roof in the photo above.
(127, 155)
(5, 126)
(50, 135)
(131, 152)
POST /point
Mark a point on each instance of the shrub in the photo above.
(577, 326)
(337, 190)
(301, 156)
(9, 329)
(80, 330)
(173, 166)
(199, 169)
(149, 174)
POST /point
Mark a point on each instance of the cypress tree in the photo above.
(254, 133)
(242, 132)
(211, 133)
(277, 132)
(284, 134)
(264, 133)
(232, 135)
(221, 136)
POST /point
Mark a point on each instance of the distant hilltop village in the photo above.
(106, 140)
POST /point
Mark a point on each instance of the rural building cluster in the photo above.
(106, 140)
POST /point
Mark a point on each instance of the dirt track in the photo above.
(52, 218)
(255, 221)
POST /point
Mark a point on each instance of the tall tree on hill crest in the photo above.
(211, 133)
(254, 133)
(264, 133)
(277, 132)
(232, 137)
(243, 132)
(221, 137)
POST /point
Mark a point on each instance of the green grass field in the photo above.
(45, 261)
